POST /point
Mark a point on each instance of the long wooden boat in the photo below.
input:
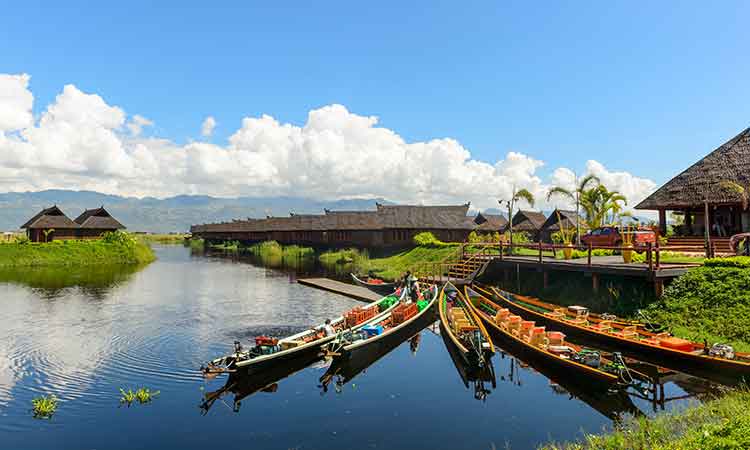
(659, 348)
(535, 341)
(305, 344)
(387, 328)
(381, 288)
(463, 328)
(472, 376)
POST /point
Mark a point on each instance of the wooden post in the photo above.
(589, 264)
(658, 256)
(649, 258)
(662, 222)
(595, 282)
(545, 279)
(540, 252)
(501, 250)
(658, 287)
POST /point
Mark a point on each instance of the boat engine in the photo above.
(721, 351)
(589, 358)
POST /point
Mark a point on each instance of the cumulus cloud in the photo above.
(137, 123)
(81, 142)
(207, 129)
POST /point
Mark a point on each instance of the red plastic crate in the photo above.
(265, 340)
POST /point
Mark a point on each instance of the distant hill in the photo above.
(163, 215)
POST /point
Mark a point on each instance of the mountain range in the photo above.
(174, 214)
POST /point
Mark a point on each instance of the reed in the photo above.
(141, 395)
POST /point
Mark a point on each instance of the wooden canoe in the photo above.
(346, 346)
(378, 288)
(643, 345)
(481, 304)
(311, 342)
(475, 352)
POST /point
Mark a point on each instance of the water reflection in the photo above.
(154, 327)
(473, 376)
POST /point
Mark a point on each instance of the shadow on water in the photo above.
(618, 295)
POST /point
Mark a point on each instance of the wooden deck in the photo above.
(605, 265)
(338, 287)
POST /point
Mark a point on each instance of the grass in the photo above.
(44, 407)
(710, 302)
(723, 423)
(142, 396)
(197, 244)
(393, 266)
(163, 239)
(75, 253)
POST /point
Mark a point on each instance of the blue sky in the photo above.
(648, 88)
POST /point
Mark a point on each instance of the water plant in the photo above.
(44, 407)
(141, 395)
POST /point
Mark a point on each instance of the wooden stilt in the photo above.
(595, 282)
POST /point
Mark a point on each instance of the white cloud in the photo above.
(137, 123)
(15, 102)
(81, 142)
(207, 129)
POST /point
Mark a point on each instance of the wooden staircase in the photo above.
(468, 261)
(696, 244)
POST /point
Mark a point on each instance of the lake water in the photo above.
(83, 335)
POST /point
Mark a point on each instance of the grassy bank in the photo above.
(710, 302)
(119, 248)
(163, 239)
(393, 266)
(719, 424)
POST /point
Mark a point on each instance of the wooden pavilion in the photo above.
(50, 224)
(709, 193)
(95, 222)
(530, 222)
(559, 218)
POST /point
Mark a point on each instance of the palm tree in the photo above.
(575, 196)
(518, 195)
(598, 202)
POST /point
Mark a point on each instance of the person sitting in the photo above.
(328, 328)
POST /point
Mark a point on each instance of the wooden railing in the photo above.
(470, 257)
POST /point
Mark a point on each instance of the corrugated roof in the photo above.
(729, 162)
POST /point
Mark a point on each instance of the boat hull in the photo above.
(720, 370)
(306, 355)
(382, 289)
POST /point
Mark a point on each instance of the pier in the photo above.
(338, 287)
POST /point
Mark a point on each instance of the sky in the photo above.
(427, 102)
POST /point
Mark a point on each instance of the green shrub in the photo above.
(735, 261)
(427, 239)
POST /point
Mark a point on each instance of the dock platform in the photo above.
(337, 287)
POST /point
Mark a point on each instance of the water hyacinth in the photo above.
(44, 407)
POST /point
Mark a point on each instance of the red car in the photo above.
(611, 237)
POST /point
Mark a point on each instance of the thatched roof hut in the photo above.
(568, 219)
(703, 180)
(528, 221)
(98, 219)
(51, 217)
(490, 223)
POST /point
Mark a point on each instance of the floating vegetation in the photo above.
(44, 407)
(142, 395)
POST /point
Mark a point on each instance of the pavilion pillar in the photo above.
(662, 222)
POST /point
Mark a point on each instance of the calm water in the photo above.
(84, 335)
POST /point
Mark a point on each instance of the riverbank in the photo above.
(711, 302)
(723, 423)
(162, 239)
(117, 250)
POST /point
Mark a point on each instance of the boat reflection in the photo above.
(241, 384)
(472, 375)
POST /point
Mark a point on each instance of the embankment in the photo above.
(117, 250)
(722, 423)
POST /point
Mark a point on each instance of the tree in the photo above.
(598, 202)
(47, 233)
(517, 195)
(575, 197)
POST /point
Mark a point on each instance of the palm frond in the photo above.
(558, 190)
(585, 181)
(525, 195)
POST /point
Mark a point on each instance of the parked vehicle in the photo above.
(611, 236)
